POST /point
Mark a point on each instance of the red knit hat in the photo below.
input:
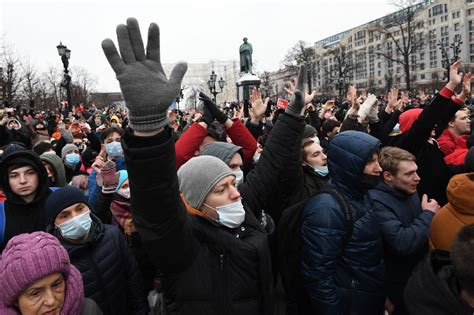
(407, 119)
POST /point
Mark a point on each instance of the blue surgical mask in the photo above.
(73, 159)
(114, 149)
(321, 170)
(77, 227)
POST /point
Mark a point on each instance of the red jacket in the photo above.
(459, 153)
(447, 142)
(192, 138)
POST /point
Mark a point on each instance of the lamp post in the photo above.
(211, 84)
(456, 51)
(65, 54)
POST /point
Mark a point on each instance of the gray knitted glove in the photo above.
(145, 88)
(67, 135)
(296, 106)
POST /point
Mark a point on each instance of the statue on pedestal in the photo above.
(246, 57)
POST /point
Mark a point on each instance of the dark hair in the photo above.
(328, 126)
(108, 131)
(462, 256)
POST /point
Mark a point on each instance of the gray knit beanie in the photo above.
(222, 150)
(309, 132)
(68, 147)
(198, 176)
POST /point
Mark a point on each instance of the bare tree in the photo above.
(11, 76)
(302, 53)
(403, 35)
(82, 84)
(30, 83)
(340, 72)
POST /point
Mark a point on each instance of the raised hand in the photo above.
(296, 106)
(216, 112)
(429, 204)
(145, 88)
(392, 98)
(454, 77)
(258, 105)
(351, 93)
(466, 86)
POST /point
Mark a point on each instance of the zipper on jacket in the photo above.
(222, 261)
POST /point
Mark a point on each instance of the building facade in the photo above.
(359, 55)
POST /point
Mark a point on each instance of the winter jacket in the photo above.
(90, 307)
(8, 136)
(459, 153)
(109, 270)
(58, 167)
(405, 228)
(433, 289)
(344, 277)
(457, 213)
(192, 138)
(207, 269)
(433, 171)
(73, 171)
(22, 217)
(447, 142)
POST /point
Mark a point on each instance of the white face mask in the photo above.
(124, 192)
(231, 215)
(239, 177)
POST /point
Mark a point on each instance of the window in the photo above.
(379, 73)
(456, 26)
(437, 10)
(472, 59)
(471, 25)
(432, 34)
(432, 44)
(434, 76)
(444, 31)
(422, 76)
(422, 66)
(471, 37)
(471, 46)
(422, 55)
(433, 64)
(433, 55)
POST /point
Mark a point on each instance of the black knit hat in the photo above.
(61, 199)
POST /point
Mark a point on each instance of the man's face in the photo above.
(236, 163)
(71, 212)
(373, 167)
(314, 155)
(114, 136)
(406, 179)
(222, 194)
(462, 123)
(23, 181)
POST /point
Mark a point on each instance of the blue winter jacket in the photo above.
(405, 229)
(344, 278)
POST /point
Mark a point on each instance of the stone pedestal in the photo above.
(245, 85)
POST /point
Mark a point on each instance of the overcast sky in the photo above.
(191, 30)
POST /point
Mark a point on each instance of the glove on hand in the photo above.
(145, 88)
(218, 115)
(207, 115)
(367, 105)
(67, 135)
(110, 177)
(296, 106)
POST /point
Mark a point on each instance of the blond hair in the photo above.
(390, 158)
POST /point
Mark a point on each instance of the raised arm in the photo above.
(158, 212)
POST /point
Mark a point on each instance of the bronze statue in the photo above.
(246, 56)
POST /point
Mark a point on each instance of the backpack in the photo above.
(290, 247)
(3, 219)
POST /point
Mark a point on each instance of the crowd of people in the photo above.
(354, 206)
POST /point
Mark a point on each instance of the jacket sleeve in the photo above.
(314, 120)
(279, 160)
(256, 130)
(101, 208)
(94, 141)
(440, 110)
(323, 233)
(402, 240)
(136, 295)
(158, 212)
(189, 143)
(242, 137)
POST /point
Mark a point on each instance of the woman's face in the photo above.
(44, 296)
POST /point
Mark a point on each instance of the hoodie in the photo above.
(58, 167)
(458, 212)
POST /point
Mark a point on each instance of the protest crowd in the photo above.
(362, 205)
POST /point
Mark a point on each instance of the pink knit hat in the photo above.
(30, 257)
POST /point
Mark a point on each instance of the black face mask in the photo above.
(370, 181)
(50, 181)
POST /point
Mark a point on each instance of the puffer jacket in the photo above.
(109, 270)
(207, 269)
(344, 277)
(405, 227)
(457, 213)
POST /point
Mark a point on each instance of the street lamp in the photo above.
(211, 84)
(65, 54)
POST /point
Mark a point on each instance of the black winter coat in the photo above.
(433, 288)
(405, 229)
(22, 217)
(344, 277)
(109, 270)
(207, 269)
